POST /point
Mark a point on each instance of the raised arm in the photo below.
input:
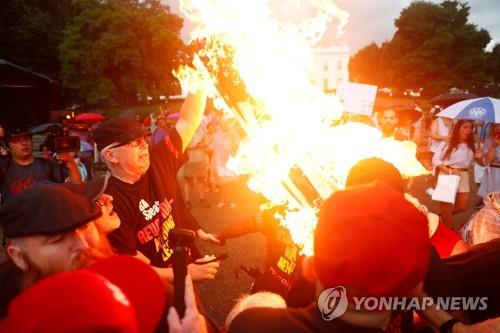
(238, 229)
(190, 116)
(490, 155)
(199, 271)
(74, 173)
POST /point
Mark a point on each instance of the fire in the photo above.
(258, 69)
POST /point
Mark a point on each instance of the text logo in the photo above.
(332, 303)
(478, 112)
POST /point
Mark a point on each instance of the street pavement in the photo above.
(219, 295)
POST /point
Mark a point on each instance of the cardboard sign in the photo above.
(357, 98)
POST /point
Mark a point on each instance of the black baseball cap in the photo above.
(17, 132)
(91, 189)
(46, 210)
(119, 130)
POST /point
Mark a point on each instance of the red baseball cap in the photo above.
(371, 240)
(140, 283)
(80, 301)
(119, 294)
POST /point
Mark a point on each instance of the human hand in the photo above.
(450, 171)
(66, 158)
(194, 79)
(496, 142)
(270, 215)
(200, 271)
(221, 239)
(487, 326)
(207, 237)
(193, 321)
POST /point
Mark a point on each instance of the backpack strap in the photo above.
(4, 168)
(49, 169)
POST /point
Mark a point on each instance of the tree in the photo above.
(434, 47)
(30, 33)
(364, 65)
(495, 63)
(113, 50)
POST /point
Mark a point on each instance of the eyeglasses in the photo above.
(134, 143)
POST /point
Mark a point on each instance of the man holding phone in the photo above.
(193, 320)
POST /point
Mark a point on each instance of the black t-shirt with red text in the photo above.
(282, 258)
(151, 207)
(16, 178)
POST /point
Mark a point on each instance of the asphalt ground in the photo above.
(218, 296)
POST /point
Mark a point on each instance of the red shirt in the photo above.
(444, 240)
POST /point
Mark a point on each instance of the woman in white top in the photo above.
(455, 158)
(491, 160)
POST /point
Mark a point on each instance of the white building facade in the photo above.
(331, 66)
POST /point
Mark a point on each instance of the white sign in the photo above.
(357, 98)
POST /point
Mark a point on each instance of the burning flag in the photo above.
(259, 71)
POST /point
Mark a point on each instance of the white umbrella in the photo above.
(486, 109)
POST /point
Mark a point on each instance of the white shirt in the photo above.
(461, 157)
(443, 130)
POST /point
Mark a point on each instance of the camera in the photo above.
(59, 143)
(66, 144)
(58, 140)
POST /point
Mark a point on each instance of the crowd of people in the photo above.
(207, 154)
(457, 147)
(97, 255)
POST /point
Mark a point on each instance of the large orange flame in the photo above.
(287, 120)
